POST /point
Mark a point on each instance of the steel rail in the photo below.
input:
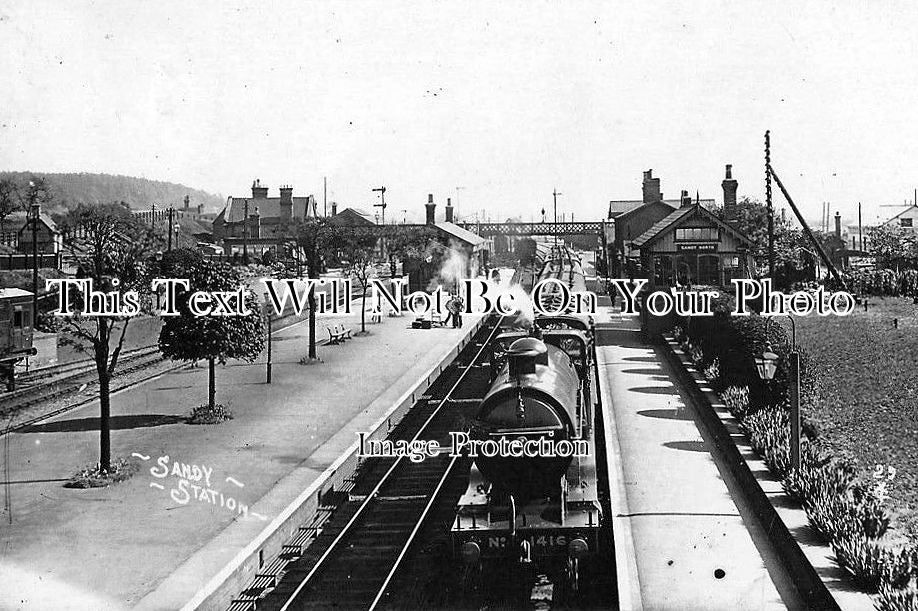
(398, 561)
(372, 495)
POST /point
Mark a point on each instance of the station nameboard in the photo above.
(697, 247)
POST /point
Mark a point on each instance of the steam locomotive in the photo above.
(535, 510)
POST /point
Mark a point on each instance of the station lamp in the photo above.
(767, 364)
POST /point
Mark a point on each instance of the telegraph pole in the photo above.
(456, 211)
(245, 232)
(324, 196)
(171, 216)
(771, 214)
(34, 211)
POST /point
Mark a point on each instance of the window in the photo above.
(905, 222)
(17, 318)
(697, 234)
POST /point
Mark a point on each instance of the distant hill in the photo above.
(68, 190)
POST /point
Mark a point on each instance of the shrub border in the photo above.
(809, 585)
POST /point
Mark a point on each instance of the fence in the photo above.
(20, 261)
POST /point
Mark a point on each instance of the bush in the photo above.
(203, 414)
(871, 564)
(891, 599)
(768, 432)
(95, 477)
(712, 371)
(736, 398)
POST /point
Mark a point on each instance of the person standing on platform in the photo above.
(457, 313)
(450, 316)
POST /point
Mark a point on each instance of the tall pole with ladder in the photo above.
(771, 213)
(555, 195)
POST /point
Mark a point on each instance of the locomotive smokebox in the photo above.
(524, 354)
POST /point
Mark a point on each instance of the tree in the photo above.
(215, 338)
(790, 243)
(360, 252)
(407, 243)
(892, 246)
(320, 239)
(112, 253)
(10, 201)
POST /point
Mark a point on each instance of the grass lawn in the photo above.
(869, 407)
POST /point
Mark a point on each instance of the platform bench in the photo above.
(336, 335)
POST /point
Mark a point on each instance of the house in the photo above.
(692, 246)
(631, 218)
(47, 235)
(261, 216)
(258, 223)
(907, 220)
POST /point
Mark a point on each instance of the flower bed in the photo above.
(849, 512)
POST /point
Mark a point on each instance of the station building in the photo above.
(692, 246)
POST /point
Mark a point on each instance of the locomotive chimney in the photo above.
(524, 354)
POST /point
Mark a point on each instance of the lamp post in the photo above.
(270, 320)
(767, 365)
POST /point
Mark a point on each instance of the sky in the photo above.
(492, 104)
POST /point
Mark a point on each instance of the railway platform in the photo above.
(153, 543)
(685, 538)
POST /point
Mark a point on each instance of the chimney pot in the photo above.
(431, 209)
(651, 188)
(259, 192)
(449, 210)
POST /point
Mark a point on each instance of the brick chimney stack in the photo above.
(449, 211)
(259, 192)
(729, 185)
(431, 209)
(651, 188)
(334, 208)
(286, 203)
(838, 224)
(686, 199)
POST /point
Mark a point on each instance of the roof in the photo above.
(898, 214)
(679, 215)
(617, 207)
(354, 214)
(460, 234)
(9, 293)
(44, 218)
(268, 207)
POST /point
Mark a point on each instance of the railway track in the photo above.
(362, 545)
(50, 384)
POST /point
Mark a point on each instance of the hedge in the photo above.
(882, 282)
